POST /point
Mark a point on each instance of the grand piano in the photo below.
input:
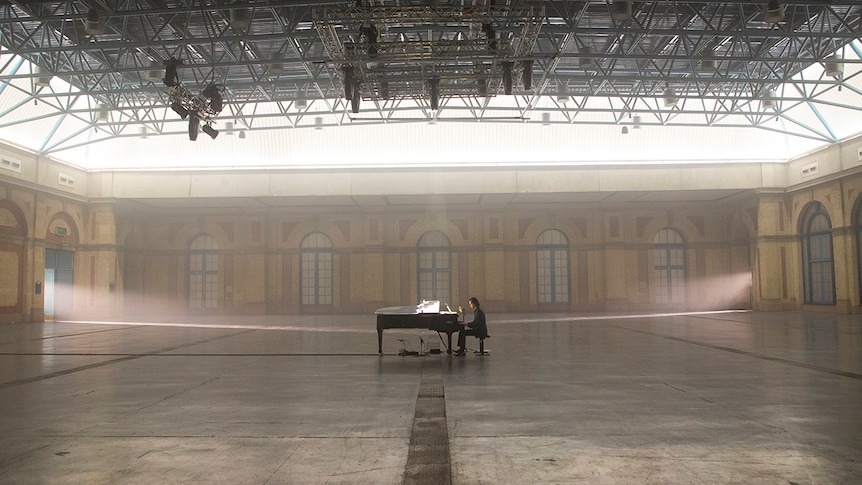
(426, 314)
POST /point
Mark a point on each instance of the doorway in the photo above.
(59, 269)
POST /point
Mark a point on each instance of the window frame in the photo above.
(818, 286)
(434, 247)
(553, 288)
(675, 276)
(316, 284)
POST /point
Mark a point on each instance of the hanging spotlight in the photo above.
(209, 130)
(562, 94)
(172, 77)
(834, 65)
(708, 65)
(507, 77)
(94, 25)
(300, 103)
(155, 72)
(242, 135)
(434, 85)
(670, 98)
(621, 11)
(179, 109)
(625, 130)
(491, 35)
(229, 128)
(768, 99)
(102, 112)
(194, 126)
(276, 66)
(546, 119)
(482, 88)
(527, 75)
(636, 122)
(240, 18)
(213, 94)
(369, 33)
(774, 12)
(318, 123)
(144, 132)
(43, 77)
(347, 74)
(587, 63)
(356, 98)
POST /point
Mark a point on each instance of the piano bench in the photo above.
(482, 350)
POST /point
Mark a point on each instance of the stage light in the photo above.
(434, 85)
(562, 94)
(102, 111)
(94, 25)
(240, 19)
(43, 77)
(276, 66)
(347, 73)
(774, 12)
(179, 109)
(194, 126)
(155, 72)
(670, 98)
(213, 94)
(768, 99)
(834, 65)
(172, 77)
(209, 130)
(527, 75)
(489, 32)
(587, 63)
(621, 11)
(507, 77)
(356, 98)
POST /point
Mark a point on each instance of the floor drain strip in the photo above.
(428, 456)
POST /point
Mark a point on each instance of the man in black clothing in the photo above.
(477, 328)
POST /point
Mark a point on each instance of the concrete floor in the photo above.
(701, 399)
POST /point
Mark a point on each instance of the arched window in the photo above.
(203, 273)
(552, 267)
(669, 269)
(859, 246)
(435, 267)
(13, 232)
(316, 270)
(818, 269)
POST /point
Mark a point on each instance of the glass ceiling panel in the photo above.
(297, 114)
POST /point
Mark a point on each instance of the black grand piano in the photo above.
(426, 314)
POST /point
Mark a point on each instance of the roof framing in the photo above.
(284, 64)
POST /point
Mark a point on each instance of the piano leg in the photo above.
(449, 342)
(379, 341)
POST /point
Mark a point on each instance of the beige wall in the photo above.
(132, 258)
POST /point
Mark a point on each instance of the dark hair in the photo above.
(473, 300)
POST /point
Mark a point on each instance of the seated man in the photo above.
(477, 328)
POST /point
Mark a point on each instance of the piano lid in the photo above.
(425, 306)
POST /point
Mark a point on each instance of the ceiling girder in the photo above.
(723, 53)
